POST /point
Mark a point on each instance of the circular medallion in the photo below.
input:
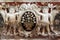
(57, 22)
(1, 21)
(28, 21)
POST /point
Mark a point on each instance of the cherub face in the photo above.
(11, 10)
(45, 10)
(57, 22)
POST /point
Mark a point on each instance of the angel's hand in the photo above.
(51, 23)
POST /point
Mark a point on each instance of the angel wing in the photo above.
(23, 7)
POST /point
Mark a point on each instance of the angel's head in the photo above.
(45, 10)
(11, 10)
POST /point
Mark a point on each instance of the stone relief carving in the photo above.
(31, 17)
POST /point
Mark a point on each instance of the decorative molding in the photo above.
(29, 0)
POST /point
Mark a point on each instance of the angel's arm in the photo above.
(38, 13)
